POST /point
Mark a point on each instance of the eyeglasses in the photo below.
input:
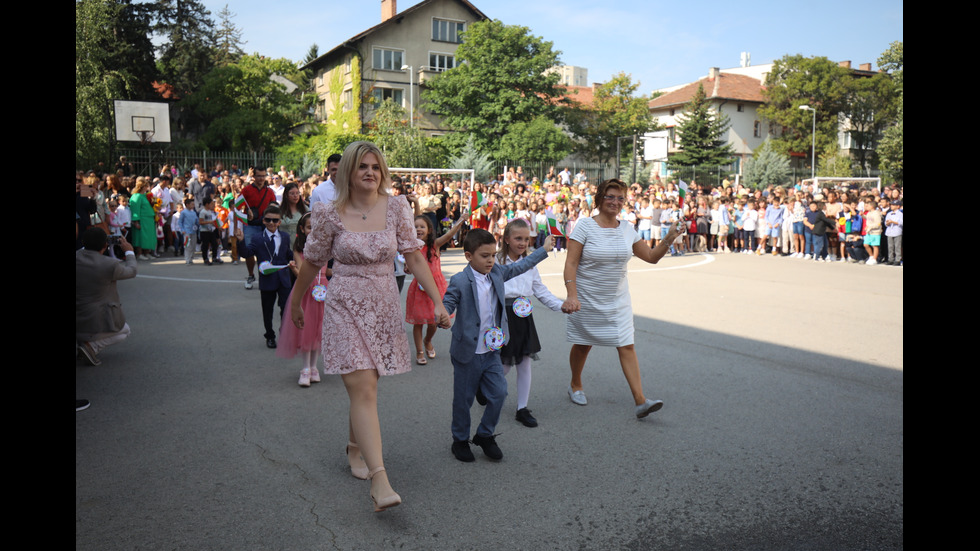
(271, 220)
(614, 198)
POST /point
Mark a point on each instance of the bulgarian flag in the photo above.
(553, 228)
(477, 200)
(681, 193)
(239, 202)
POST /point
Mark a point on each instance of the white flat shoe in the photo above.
(577, 397)
(648, 407)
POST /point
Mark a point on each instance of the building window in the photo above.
(396, 95)
(348, 100)
(347, 64)
(441, 62)
(740, 108)
(447, 31)
(757, 129)
(388, 60)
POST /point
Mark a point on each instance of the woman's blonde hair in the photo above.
(349, 162)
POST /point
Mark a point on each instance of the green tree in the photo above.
(814, 81)
(499, 80)
(615, 111)
(834, 164)
(891, 149)
(113, 60)
(228, 39)
(538, 140)
(187, 53)
(243, 108)
(872, 108)
(403, 144)
(702, 135)
(471, 158)
(766, 167)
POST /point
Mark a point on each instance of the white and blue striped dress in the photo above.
(606, 314)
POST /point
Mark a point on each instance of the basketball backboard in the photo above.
(142, 121)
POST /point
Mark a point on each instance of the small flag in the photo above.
(553, 227)
(267, 268)
(681, 193)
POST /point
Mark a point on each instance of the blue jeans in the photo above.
(484, 372)
(808, 240)
(819, 246)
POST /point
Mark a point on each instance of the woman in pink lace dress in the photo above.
(362, 230)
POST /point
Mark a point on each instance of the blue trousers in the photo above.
(484, 372)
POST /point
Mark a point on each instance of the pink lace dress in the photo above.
(362, 318)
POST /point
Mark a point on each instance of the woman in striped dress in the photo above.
(598, 294)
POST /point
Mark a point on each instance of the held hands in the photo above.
(442, 316)
(571, 305)
(239, 234)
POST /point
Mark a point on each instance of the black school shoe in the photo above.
(525, 417)
(461, 451)
(489, 445)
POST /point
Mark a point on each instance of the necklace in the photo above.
(364, 215)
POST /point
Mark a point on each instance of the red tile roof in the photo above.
(725, 86)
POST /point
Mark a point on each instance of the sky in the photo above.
(660, 43)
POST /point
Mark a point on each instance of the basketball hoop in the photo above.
(145, 136)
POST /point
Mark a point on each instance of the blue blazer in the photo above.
(261, 251)
(461, 297)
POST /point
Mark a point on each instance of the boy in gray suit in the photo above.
(479, 332)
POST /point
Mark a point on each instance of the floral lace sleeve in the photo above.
(405, 226)
(319, 245)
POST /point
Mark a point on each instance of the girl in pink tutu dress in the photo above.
(418, 305)
(305, 341)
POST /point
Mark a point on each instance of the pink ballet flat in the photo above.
(304, 377)
(314, 375)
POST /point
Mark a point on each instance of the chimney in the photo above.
(845, 64)
(865, 67)
(388, 9)
(713, 73)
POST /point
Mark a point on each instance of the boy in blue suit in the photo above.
(479, 332)
(271, 245)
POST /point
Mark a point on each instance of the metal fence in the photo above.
(148, 162)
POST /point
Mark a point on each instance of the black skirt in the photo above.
(523, 338)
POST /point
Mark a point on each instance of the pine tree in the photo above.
(228, 39)
(702, 135)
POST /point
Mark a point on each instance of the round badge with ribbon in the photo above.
(494, 338)
(522, 307)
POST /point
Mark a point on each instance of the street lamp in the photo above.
(813, 146)
(411, 95)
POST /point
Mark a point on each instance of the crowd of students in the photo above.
(838, 223)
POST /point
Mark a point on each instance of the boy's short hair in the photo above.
(188, 201)
(272, 209)
(477, 238)
(207, 200)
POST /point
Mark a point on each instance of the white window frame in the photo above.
(449, 32)
(436, 68)
(395, 66)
